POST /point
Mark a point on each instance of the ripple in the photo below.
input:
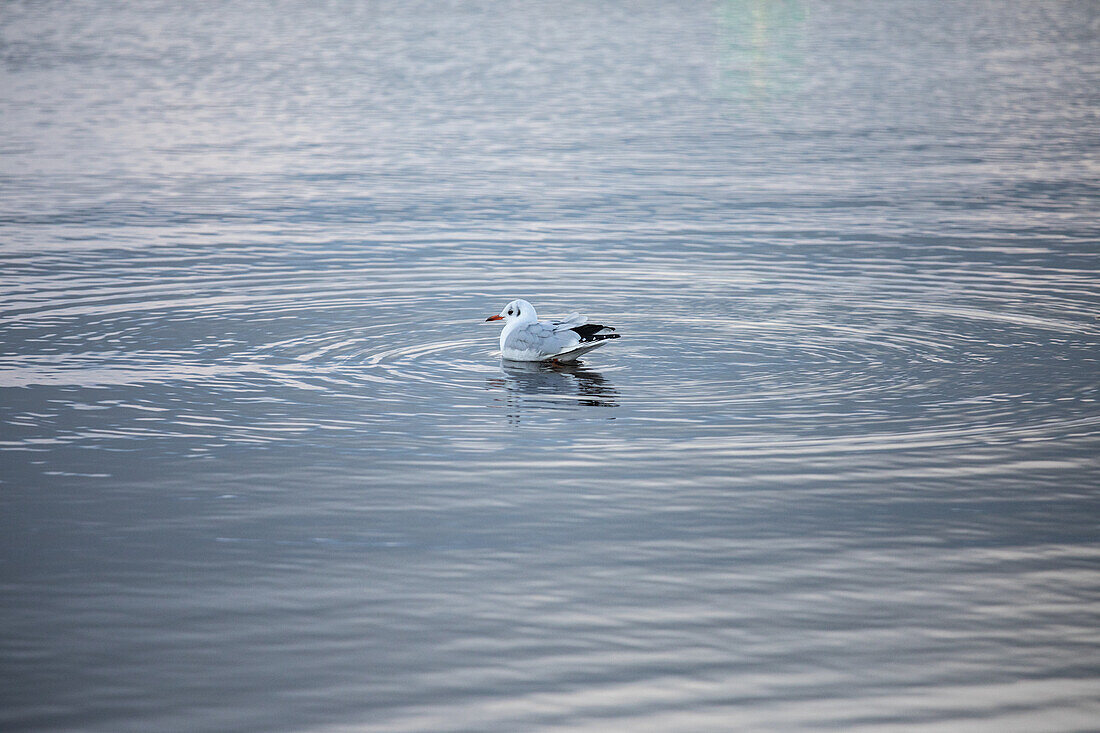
(797, 350)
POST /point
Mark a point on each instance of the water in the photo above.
(262, 469)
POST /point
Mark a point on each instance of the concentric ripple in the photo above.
(732, 353)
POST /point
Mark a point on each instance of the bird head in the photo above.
(517, 310)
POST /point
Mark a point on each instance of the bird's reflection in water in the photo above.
(530, 384)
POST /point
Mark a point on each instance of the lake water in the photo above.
(262, 469)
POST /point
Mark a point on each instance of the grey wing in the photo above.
(544, 338)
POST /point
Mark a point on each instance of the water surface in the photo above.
(262, 469)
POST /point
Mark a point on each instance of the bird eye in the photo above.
(509, 312)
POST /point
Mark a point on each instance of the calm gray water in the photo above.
(262, 469)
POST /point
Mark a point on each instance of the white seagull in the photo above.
(526, 338)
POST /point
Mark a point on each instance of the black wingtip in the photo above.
(591, 332)
(600, 337)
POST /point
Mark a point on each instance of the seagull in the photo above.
(526, 338)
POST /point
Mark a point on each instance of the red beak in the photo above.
(495, 318)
